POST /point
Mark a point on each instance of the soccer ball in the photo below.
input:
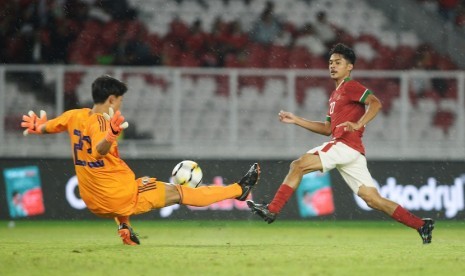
(187, 173)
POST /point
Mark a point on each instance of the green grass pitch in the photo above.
(230, 248)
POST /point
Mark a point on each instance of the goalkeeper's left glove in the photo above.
(32, 123)
(117, 124)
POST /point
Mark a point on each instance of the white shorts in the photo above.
(350, 163)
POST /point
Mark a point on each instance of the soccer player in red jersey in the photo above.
(106, 183)
(351, 108)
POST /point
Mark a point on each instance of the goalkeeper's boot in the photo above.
(248, 181)
(127, 234)
(426, 231)
(262, 211)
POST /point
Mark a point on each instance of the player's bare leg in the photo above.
(373, 199)
(298, 168)
(305, 164)
(123, 219)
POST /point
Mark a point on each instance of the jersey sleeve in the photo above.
(357, 92)
(60, 123)
(328, 114)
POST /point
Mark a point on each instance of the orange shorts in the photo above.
(151, 195)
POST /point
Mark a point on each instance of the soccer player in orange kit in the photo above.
(106, 183)
(351, 107)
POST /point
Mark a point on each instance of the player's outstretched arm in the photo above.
(287, 117)
(33, 123)
(323, 128)
(117, 124)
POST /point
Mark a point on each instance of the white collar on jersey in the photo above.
(344, 80)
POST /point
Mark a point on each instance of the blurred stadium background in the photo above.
(207, 79)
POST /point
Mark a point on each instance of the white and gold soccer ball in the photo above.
(187, 173)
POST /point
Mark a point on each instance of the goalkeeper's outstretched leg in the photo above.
(206, 195)
(155, 194)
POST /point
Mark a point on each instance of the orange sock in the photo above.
(206, 195)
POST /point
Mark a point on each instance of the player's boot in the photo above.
(127, 234)
(262, 211)
(248, 181)
(426, 231)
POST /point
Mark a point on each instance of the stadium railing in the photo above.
(232, 113)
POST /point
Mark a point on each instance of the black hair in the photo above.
(344, 51)
(105, 86)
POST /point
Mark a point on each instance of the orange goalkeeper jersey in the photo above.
(106, 183)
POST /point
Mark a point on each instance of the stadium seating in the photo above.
(204, 112)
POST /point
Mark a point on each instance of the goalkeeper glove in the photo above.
(117, 124)
(32, 123)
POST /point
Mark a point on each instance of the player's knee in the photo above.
(172, 194)
(296, 166)
(372, 199)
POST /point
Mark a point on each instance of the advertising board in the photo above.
(427, 188)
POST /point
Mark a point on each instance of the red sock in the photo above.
(280, 198)
(407, 218)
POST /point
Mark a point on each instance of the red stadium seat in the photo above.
(370, 39)
(299, 58)
(404, 58)
(302, 84)
(278, 57)
(110, 33)
(92, 28)
(431, 94)
(155, 43)
(318, 63)
(257, 56)
(445, 63)
(179, 31)
(71, 81)
(170, 54)
(362, 64)
(444, 120)
(256, 81)
(189, 60)
(231, 61)
(135, 30)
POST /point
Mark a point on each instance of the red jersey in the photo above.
(347, 103)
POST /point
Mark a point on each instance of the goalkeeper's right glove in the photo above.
(117, 124)
(32, 123)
